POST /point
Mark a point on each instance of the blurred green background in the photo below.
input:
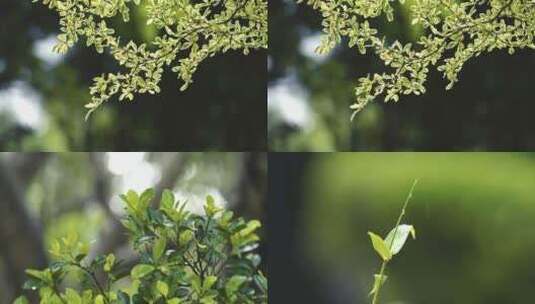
(491, 108)
(47, 195)
(42, 95)
(474, 214)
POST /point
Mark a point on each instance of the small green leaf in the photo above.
(131, 199)
(110, 262)
(167, 200)
(234, 284)
(21, 300)
(99, 299)
(44, 276)
(377, 283)
(145, 198)
(185, 237)
(210, 208)
(159, 248)
(209, 282)
(141, 270)
(402, 233)
(72, 296)
(162, 288)
(250, 228)
(380, 246)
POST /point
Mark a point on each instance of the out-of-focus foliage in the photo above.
(42, 94)
(486, 110)
(184, 258)
(474, 213)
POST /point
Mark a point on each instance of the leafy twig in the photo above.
(386, 248)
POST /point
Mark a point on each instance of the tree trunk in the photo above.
(21, 237)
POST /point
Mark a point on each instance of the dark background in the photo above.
(473, 214)
(490, 108)
(224, 109)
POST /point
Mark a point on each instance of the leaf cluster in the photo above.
(453, 33)
(183, 258)
(189, 31)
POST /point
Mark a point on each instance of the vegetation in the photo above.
(183, 258)
(390, 246)
(193, 30)
(452, 33)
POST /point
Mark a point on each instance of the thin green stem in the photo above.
(93, 277)
(385, 262)
(381, 273)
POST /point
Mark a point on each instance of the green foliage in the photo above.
(453, 32)
(183, 258)
(189, 32)
(390, 246)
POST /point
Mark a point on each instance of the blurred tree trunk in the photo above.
(250, 191)
(287, 271)
(20, 236)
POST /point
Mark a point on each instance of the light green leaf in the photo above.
(185, 237)
(234, 284)
(131, 199)
(159, 248)
(380, 246)
(21, 300)
(167, 200)
(209, 282)
(99, 299)
(377, 283)
(210, 208)
(145, 198)
(72, 296)
(110, 262)
(162, 288)
(45, 275)
(141, 270)
(403, 231)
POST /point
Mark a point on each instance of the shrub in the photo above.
(183, 258)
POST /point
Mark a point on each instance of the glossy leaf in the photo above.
(141, 270)
(401, 234)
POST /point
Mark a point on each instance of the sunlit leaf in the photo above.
(401, 234)
(380, 246)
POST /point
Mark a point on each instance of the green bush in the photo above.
(183, 258)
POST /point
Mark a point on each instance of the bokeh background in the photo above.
(45, 196)
(42, 95)
(473, 212)
(491, 108)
